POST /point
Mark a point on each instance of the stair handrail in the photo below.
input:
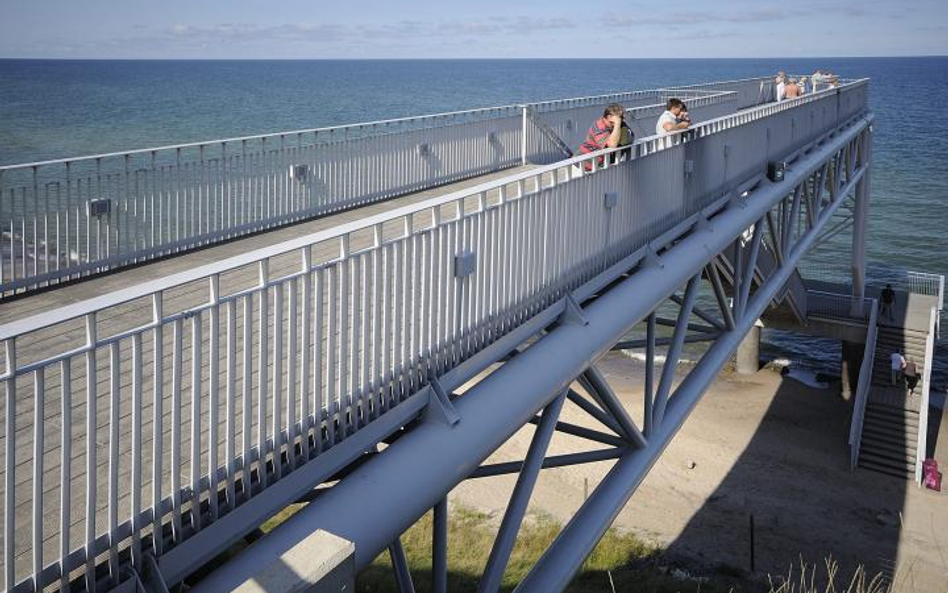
(862, 386)
(921, 449)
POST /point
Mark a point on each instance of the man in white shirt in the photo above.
(898, 363)
(672, 120)
(781, 86)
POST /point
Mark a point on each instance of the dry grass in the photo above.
(806, 579)
(621, 561)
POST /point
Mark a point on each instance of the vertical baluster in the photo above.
(277, 380)
(136, 499)
(65, 470)
(157, 422)
(213, 437)
(91, 450)
(318, 289)
(332, 328)
(345, 316)
(355, 336)
(376, 341)
(247, 405)
(231, 396)
(196, 352)
(177, 371)
(115, 396)
(383, 354)
(263, 374)
(305, 356)
(39, 423)
(291, 353)
(9, 471)
(365, 393)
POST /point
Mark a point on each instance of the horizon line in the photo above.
(416, 59)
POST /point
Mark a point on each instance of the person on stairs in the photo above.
(888, 301)
(898, 363)
(911, 375)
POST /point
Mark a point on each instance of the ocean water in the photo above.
(57, 108)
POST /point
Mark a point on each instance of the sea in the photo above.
(64, 108)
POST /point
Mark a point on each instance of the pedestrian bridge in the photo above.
(197, 336)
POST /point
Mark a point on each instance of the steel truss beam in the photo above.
(558, 564)
(421, 467)
(513, 517)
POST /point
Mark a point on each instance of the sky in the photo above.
(332, 29)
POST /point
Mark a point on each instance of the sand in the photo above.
(756, 445)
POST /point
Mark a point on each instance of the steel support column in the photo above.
(400, 565)
(861, 224)
(513, 517)
(674, 351)
(649, 387)
(439, 547)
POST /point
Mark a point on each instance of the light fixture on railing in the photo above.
(99, 207)
(776, 170)
(299, 172)
(465, 263)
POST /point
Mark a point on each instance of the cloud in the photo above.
(406, 30)
(696, 17)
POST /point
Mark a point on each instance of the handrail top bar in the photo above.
(732, 81)
(144, 289)
(837, 294)
(326, 129)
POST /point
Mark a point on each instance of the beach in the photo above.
(761, 446)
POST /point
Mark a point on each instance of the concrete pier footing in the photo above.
(850, 363)
(747, 358)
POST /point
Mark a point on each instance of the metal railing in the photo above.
(750, 91)
(925, 283)
(68, 218)
(909, 281)
(921, 450)
(137, 418)
(838, 306)
(863, 385)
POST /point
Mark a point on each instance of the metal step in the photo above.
(883, 451)
(895, 415)
(883, 468)
(895, 433)
(900, 443)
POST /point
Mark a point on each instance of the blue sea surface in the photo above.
(58, 108)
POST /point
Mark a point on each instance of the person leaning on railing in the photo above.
(609, 131)
(675, 118)
(792, 90)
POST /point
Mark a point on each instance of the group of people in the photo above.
(791, 88)
(612, 131)
(904, 369)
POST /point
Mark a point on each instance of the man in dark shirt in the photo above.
(888, 300)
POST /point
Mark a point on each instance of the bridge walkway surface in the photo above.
(157, 414)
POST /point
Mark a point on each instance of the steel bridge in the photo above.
(197, 336)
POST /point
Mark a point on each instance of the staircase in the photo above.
(892, 418)
(789, 302)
